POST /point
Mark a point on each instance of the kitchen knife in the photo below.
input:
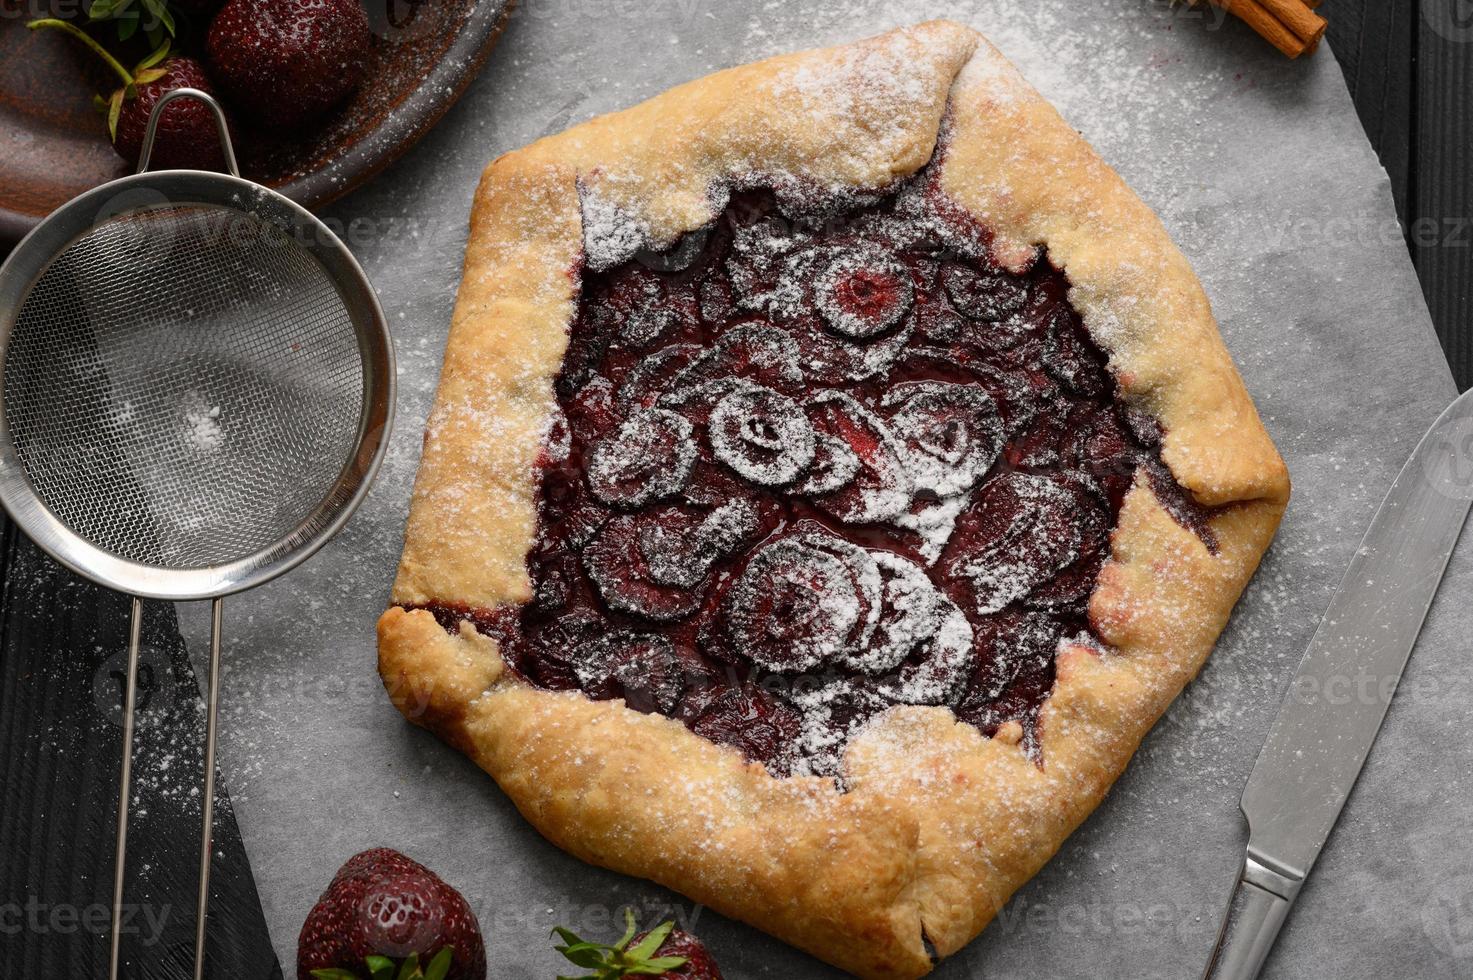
(1339, 697)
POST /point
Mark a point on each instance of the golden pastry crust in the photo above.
(939, 824)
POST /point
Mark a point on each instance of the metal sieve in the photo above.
(196, 385)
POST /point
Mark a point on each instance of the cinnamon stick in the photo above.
(1292, 26)
(1296, 15)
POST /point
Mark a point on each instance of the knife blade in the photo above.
(1340, 695)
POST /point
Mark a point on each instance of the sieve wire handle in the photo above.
(125, 792)
(206, 841)
(221, 127)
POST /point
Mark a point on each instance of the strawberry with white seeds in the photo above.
(663, 953)
(387, 917)
(287, 62)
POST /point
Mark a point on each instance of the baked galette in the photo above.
(835, 471)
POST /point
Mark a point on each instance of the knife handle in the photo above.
(1256, 911)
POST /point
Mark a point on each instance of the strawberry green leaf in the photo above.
(650, 944)
(334, 973)
(155, 18)
(656, 966)
(630, 928)
(160, 11)
(585, 955)
(662, 964)
(410, 968)
(379, 967)
(155, 57)
(114, 110)
(566, 935)
(440, 964)
(611, 962)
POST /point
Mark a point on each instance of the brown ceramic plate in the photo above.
(53, 143)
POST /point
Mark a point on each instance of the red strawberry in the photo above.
(662, 953)
(285, 62)
(382, 911)
(187, 138)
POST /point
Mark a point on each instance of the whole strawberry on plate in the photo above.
(663, 953)
(385, 915)
(186, 138)
(285, 62)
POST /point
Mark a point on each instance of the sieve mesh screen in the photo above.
(184, 386)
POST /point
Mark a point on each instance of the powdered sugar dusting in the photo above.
(891, 74)
(611, 234)
(202, 429)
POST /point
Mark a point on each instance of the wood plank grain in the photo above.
(1375, 44)
(62, 649)
(1441, 234)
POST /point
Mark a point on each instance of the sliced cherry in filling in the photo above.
(812, 467)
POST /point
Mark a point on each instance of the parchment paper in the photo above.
(1263, 174)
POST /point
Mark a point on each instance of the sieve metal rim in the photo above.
(29, 262)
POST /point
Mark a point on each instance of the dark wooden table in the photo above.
(1408, 63)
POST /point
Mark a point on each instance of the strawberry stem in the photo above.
(617, 961)
(81, 35)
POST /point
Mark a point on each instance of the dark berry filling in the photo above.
(810, 468)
